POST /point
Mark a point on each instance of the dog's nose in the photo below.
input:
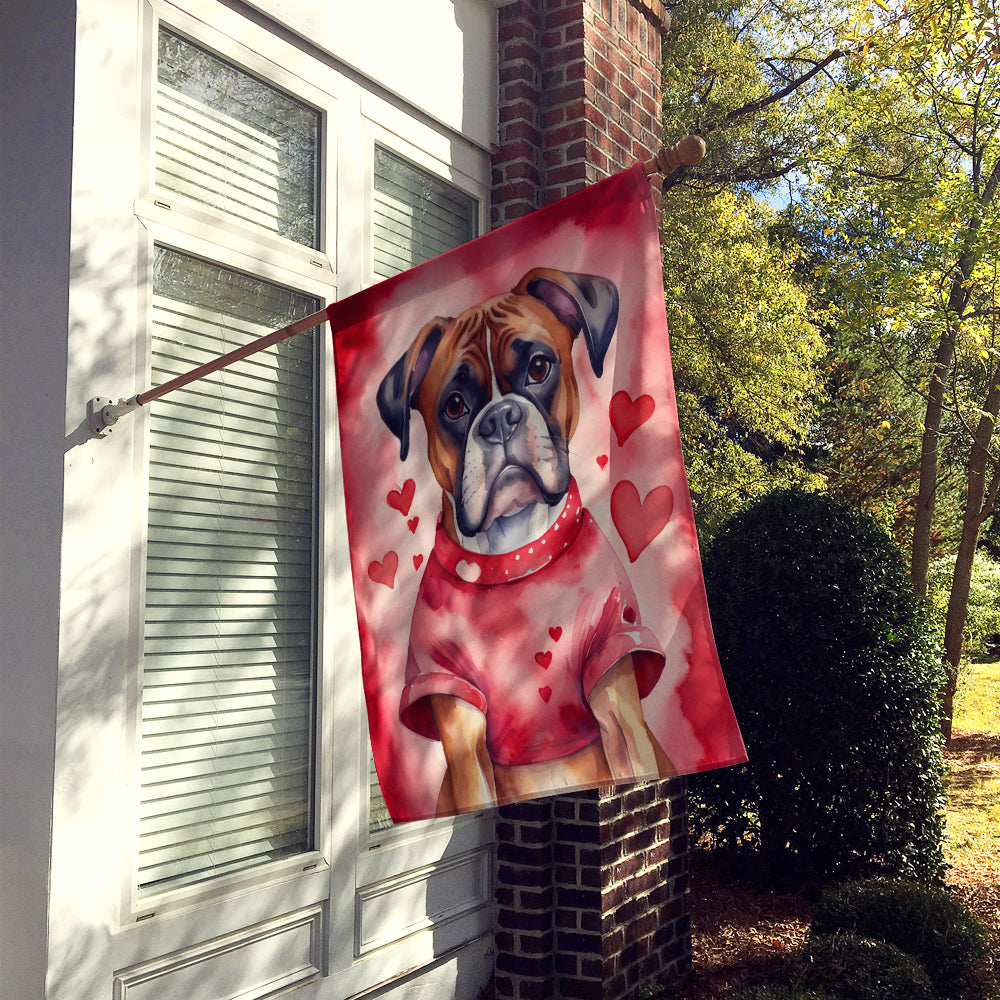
(500, 423)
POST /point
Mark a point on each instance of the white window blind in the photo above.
(225, 139)
(228, 659)
(416, 216)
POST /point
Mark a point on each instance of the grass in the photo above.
(978, 698)
(973, 783)
(972, 848)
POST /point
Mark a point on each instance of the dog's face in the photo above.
(498, 395)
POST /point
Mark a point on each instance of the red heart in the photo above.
(543, 660)
(384, 571)
(627, 415)
(640, 521)
(417, 560)
(546, 693)
(412, 524)
(556, 633)
(602, 461)
(401, 499)
(630, 615)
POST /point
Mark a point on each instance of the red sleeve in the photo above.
(440, 678)
(617, 632)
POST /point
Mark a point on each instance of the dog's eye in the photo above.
(538, 368)
(454, 406)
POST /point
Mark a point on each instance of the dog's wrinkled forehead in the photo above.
(466, 340)
(546, 305)
(514, 317)
(480, 339)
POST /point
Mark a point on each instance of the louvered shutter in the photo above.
(228, 659)
(416, 216)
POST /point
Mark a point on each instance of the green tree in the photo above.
(982, 620)
(746, 355)
(747, 76)
(869, 427)
(870, 414)
(911, 187)
(878, 121)
(748, 358)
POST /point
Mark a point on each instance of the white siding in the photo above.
(36, 108)
(438, 57)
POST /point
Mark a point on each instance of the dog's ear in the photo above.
(398, 390)
(584, 302)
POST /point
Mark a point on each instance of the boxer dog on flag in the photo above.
(527, 658)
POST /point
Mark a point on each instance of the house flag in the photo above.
(529, 595)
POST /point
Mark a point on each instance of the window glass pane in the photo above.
(228, 140)
(416, 217)
(228, 654)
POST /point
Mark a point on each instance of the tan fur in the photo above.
(464, 340)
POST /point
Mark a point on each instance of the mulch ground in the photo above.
(742, 934)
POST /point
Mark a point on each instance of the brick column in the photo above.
(518, 171)
(524, 901)
(591, 889)
(579, 96)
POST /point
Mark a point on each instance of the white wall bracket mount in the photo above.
(103, 413)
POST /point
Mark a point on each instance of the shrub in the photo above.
(926, 922)
(833, 673)
(782, 993)
(856, 968)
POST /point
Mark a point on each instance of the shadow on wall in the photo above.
(451, 903)
(95, 703)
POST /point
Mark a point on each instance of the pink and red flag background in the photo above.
(644, 590)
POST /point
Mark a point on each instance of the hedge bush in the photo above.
(782, 993)
(925, 922)
(833, 672)
(857, 968)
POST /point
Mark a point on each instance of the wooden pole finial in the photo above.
(668, 158)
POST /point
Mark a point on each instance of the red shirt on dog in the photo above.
(566, 614)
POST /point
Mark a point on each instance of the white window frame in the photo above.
(393, 131)
(196, 244)
(388, 858)
(177, 223)
(276, 62)
(350, 870)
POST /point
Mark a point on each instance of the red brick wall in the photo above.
(591, 889)
(579, 96)
(591, 893)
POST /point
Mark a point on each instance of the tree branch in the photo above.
(872, 175)
(754, 106)
(723, 178)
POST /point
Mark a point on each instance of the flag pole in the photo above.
(103, 414)
(260, 344)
